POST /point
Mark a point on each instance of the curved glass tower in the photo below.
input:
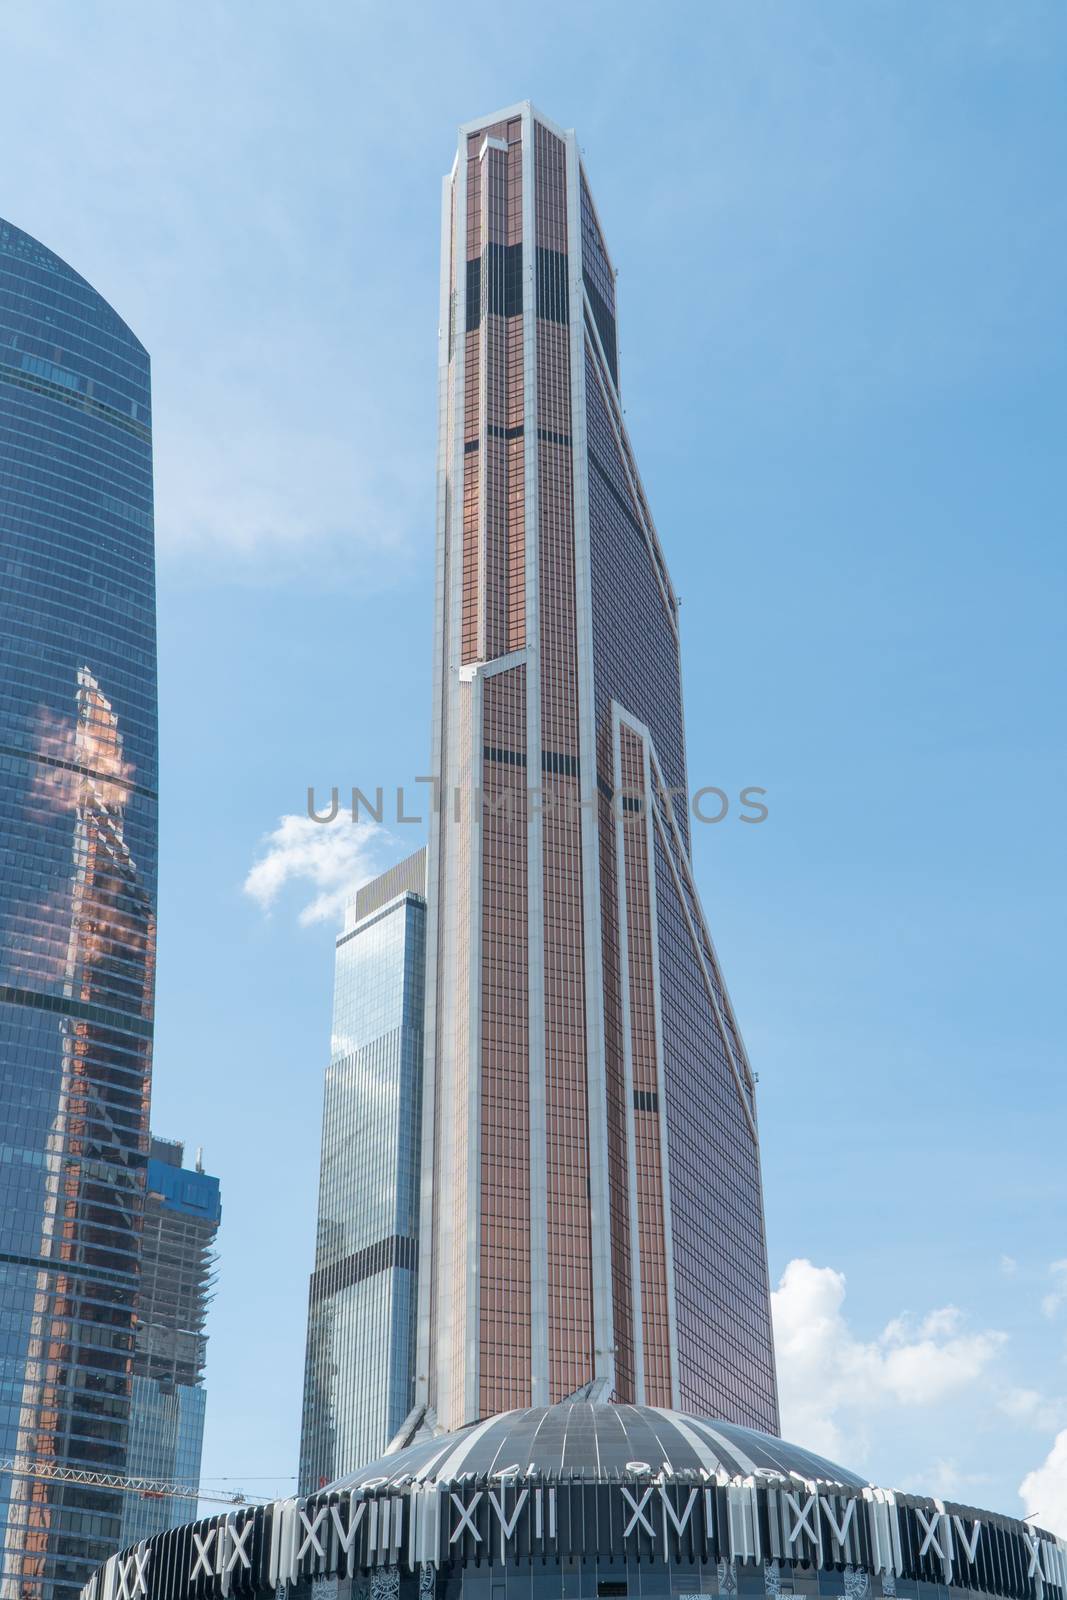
(77, 905)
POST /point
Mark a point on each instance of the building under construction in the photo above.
(183, 1209)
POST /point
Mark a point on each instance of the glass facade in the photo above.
(595, 1214)
(359, 1375)
(166, 1443)
(78, 766)
(183, 1209)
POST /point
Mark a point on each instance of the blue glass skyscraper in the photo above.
(360, 1370)
(77, 906)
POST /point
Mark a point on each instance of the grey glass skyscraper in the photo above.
(359, 1376)
(77, 905)
(183, 1210)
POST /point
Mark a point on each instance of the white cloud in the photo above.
(1057, 1296)
(937, 1324)
(948, 1481)
(1022, 1404)
(335, 858)
(312, 505)
(1044, 1491)
(1034, 1409)
(830, 1380)
(1009, 1266)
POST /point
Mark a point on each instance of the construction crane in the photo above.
(147, 1488)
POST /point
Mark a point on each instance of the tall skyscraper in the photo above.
(360, 1367)
(591, 1193)
(592, 1259)
(183, 1210)
(77, 904)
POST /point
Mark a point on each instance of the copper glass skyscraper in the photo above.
(591, 1205)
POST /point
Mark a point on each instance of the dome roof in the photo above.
(601, 1441)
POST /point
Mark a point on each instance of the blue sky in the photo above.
(840, 227)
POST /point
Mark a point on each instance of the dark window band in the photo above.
(43, 1264)
(395, 1251)
(502, 266)
(81, 402)
(77, 1010)
(73, 766)
(495, 432)
(553, 291)
(605, 324)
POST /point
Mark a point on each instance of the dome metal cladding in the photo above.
(604, 1489)
(597, 1442)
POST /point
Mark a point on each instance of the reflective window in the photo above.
(359, 1376)
(77, 900)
